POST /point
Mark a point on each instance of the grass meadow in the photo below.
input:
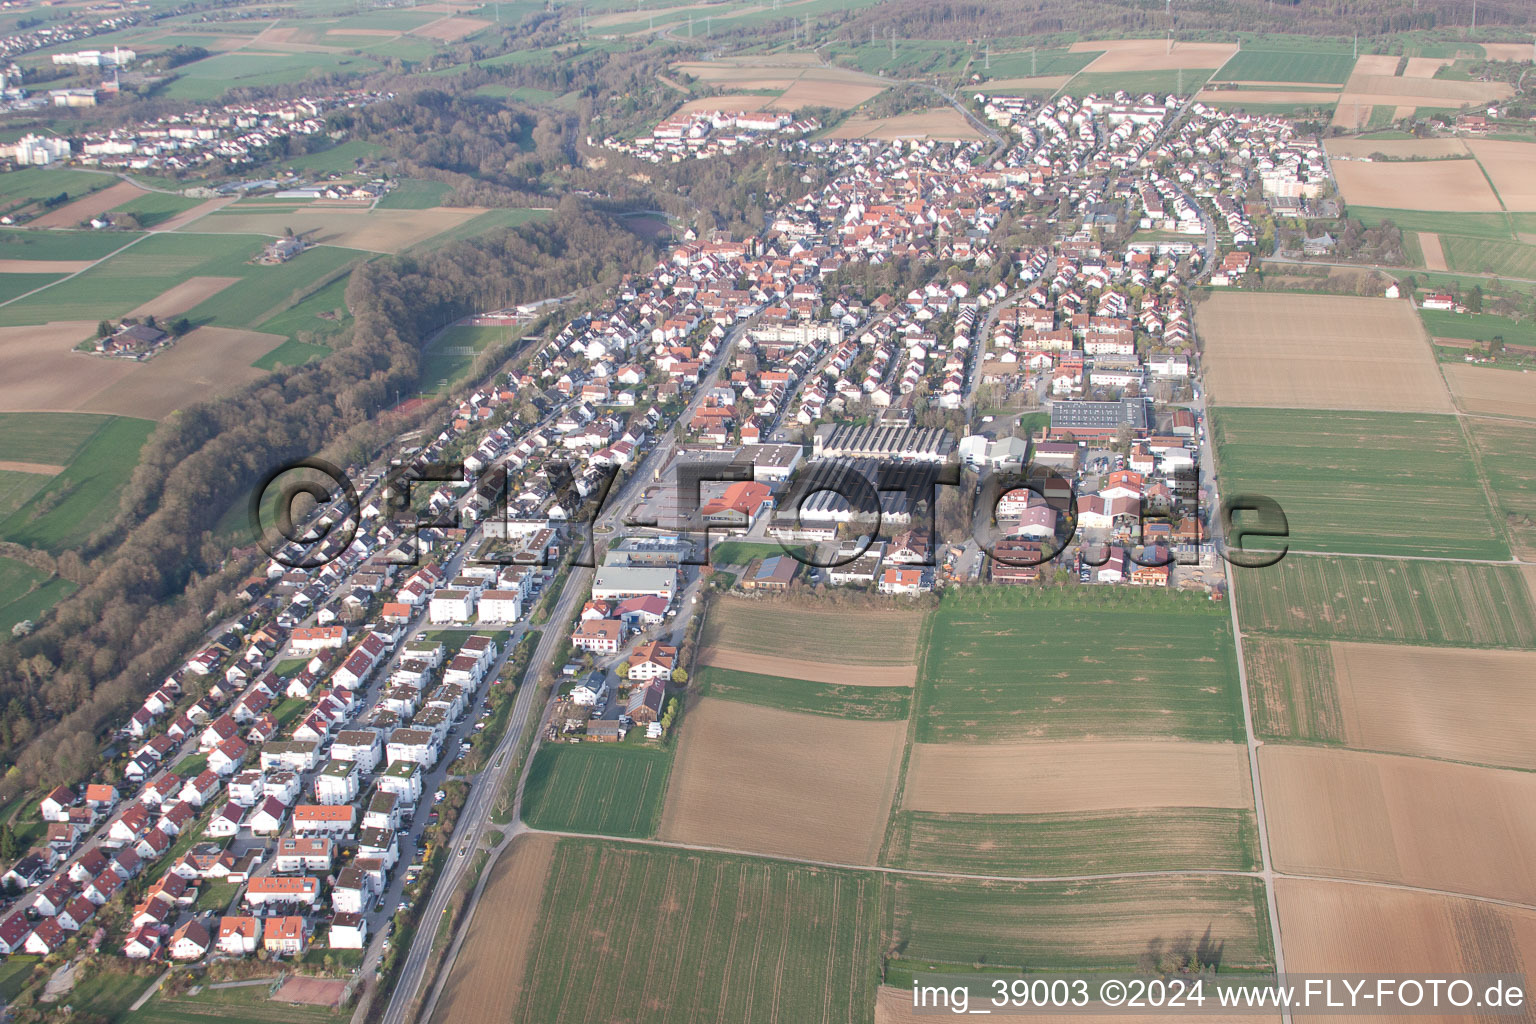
(1287, 66)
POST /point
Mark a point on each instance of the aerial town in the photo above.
(937, 379)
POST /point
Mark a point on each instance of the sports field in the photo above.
(1456, 604)
(780, 782)
(1408, 820)
(1076, 842)
(452, 356)
(1098, 925)
(1014, 663)
(861, 703)
(688, 938)
(1282, 351)
(1361, 482)
(1286, 66)
(604, 788)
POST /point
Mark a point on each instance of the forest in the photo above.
(152, 577)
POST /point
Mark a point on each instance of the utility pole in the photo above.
(690, 26)
(1032, 55)
(1357, 46)
(893, 43)
(988, 65)
(1474, 15)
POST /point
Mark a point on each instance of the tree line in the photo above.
(162, 571)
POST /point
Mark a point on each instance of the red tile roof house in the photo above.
(55, 806)
(282, 890)
(76, 913)
(238, 935)
(142, 943)
(46, 937)
(13, 932)
(190, 941)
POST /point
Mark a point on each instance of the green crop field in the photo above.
(1486, 256)
(139, 273)
(413, 194)
(1477, 225)
(1135, 83)
(1026, 63)
(1077, 843)
(267, 291)
(1373, 483)
(33, 183)
(1074, 926)
(1286, 66)
(865, 703)
(613, 789)
(1507, 451)
(1292, 688)
(1459, 604)
(53, 438)
(912, 57)
(154, 208)
(714, 938)
(112, 288)
(452, 355)
(83, 498)
(14, 285)
(21, 244)
(212, 77)
(1013, 663)
(338, 158)
(1441, 323)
